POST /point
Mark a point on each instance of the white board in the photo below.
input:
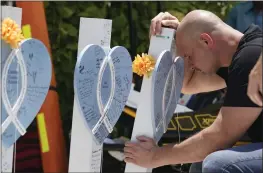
(91, 31)
(7, 154)
(144, 110)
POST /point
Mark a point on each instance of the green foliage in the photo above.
(179, 9)
(63, 23)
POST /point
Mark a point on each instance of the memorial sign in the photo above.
(25, 78)
(102, 83)
(159, 93)
(167, 81)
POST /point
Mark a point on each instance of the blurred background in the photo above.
(130, 28)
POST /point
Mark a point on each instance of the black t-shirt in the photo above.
(236, 77)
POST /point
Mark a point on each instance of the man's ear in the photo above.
(207, 40)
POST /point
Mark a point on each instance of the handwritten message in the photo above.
(102, 93)
(160, 98)
(106, 33)
(166, 89)
(96, 157)
(38, 67)
(122, 64)
(85, 83)
(178, 76)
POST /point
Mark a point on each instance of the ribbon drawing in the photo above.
(167, 84)
(12, 111)
(103, 110)
(102, 84)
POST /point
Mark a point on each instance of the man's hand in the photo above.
(165, 19)
(254, 90)
(141, 153)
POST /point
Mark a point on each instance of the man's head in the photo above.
(203, 38)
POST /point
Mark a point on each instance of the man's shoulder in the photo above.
(247, 54)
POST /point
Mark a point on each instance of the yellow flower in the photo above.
(11, 32)
(143, 65)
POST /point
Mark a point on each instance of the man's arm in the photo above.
(223, 133)
(229, 126)
(254, 90)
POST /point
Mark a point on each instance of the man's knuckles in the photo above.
(129, 150)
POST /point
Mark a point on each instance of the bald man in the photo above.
(216, 56)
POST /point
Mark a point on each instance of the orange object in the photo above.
(54, 157)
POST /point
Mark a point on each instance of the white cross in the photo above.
(144, 107)
(85, 154)
(7, 154)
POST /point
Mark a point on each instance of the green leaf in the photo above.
(120, 21)
(65, 12)
(69, 29)
(72, 46)
(134, 14)
(93, 11)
